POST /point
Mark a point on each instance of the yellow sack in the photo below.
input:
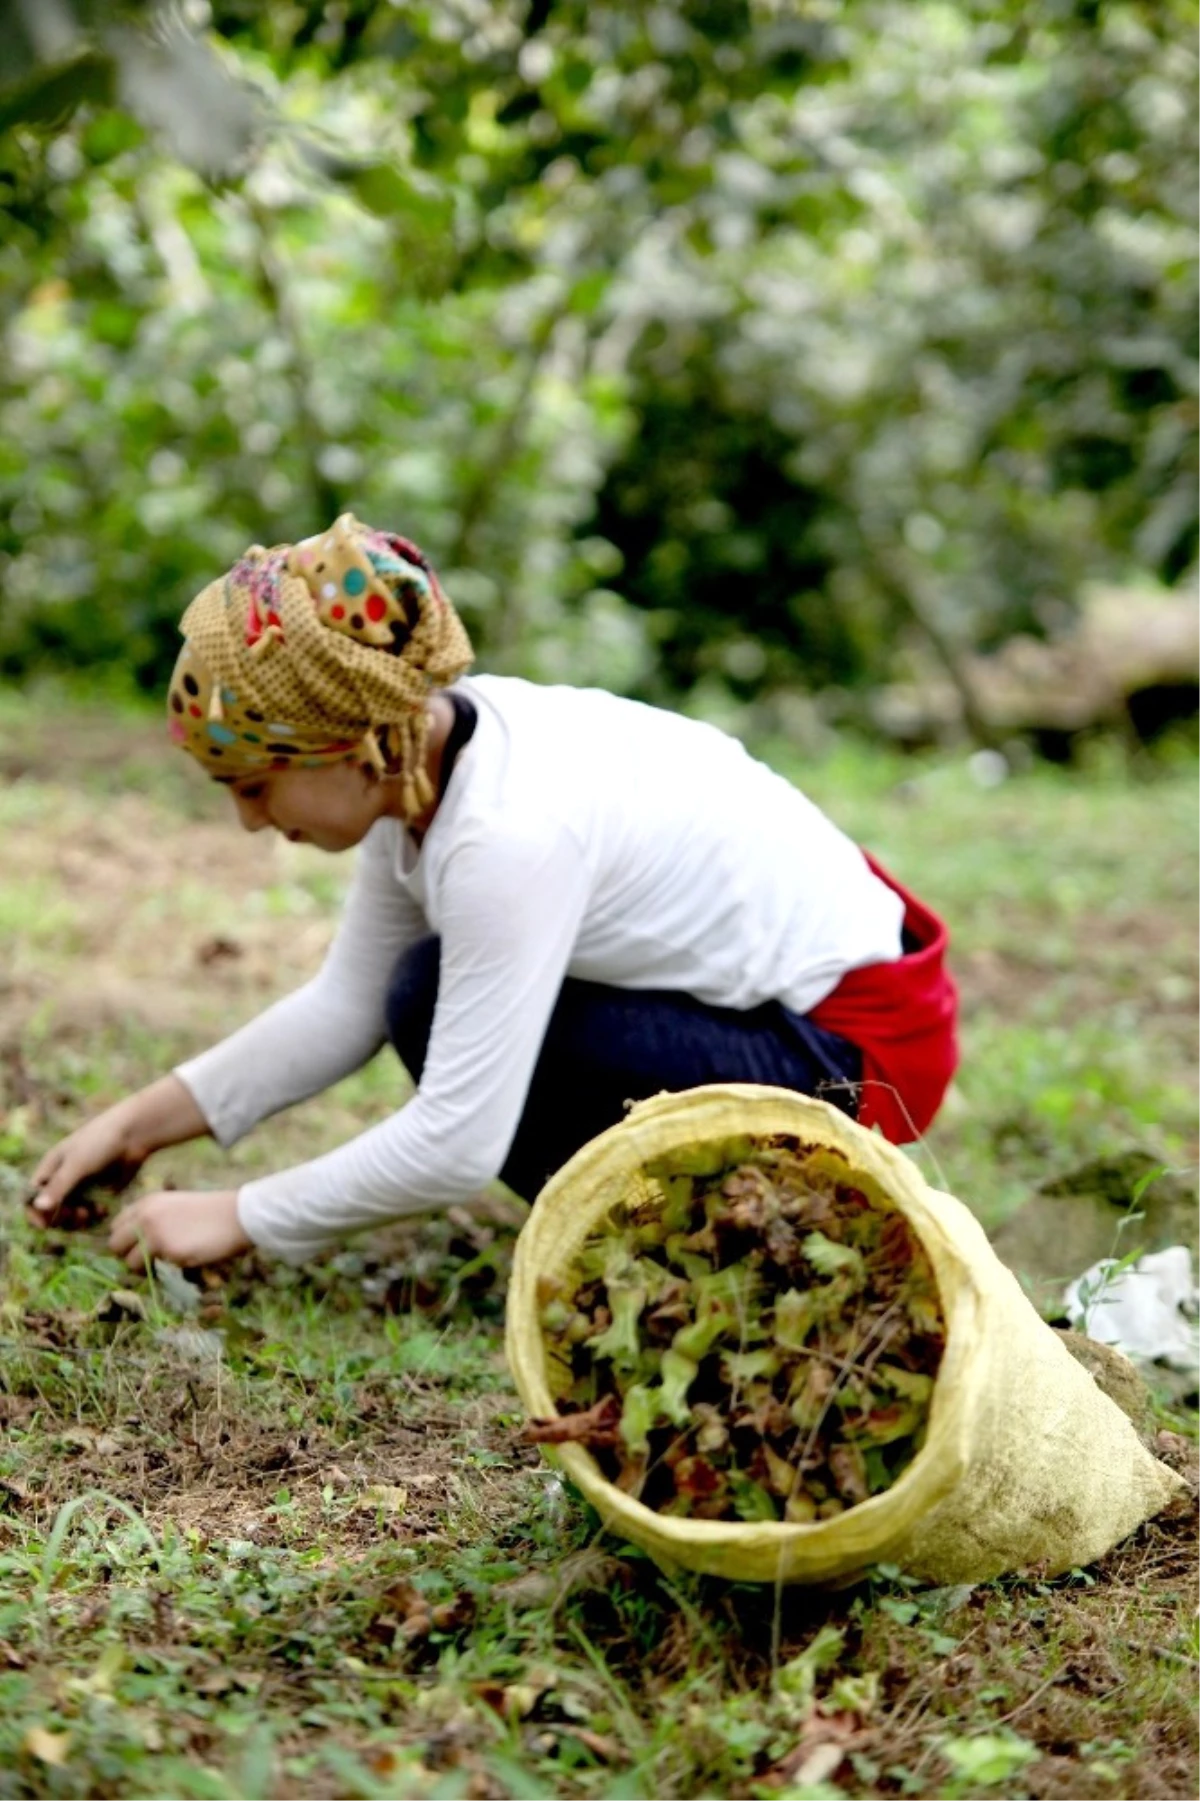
(1026, 1463)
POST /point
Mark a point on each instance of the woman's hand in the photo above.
(102, 1153)
(186, 1226)
(109, 1150)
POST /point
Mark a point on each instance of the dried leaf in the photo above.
(847, 1469)
(598, 1425)
(696, 1476)
(455, 1615)
(606, 1749)
(382, 1497)
(120, 1304)
(48, 1747)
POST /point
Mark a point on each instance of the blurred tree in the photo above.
(708, 342)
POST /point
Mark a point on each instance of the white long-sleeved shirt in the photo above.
(580, 834)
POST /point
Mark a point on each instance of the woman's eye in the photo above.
(253, 792)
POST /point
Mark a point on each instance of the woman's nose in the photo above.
(252, 815)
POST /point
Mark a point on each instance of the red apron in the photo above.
(901, 1015)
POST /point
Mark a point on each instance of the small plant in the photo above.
(986, 1761)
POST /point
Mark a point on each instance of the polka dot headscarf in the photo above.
(306, 653)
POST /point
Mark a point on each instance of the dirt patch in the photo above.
(186, 1449)
(166, 925)
(1144, 957)
(1111, 1206)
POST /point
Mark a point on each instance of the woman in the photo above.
(564, 901)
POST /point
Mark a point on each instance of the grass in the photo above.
(274, 1533)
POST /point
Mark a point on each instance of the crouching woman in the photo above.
(563, 902)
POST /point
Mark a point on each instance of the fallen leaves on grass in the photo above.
(407, 1610)
(824, 1743)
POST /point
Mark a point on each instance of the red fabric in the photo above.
(901, 1015)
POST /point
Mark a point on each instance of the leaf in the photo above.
(846, 1467)
(620, 1340)
(781, 1475)
(702, 1159)
(854, 1694)
(700, 1486)
(588, 292)
(912, 1384)
(743, 1449)
(797, 1679)
(1143, 1183)
(48, 1747)
(390, 193)
(796, 1313)
(50, 96)
(381, 188)
(990, 1759)
(102, 1678)
(678, 1374)
(120, 1304)
(748, 1366)
(886, 1425)
(640, 1409)
(829, 1259)
(594, 1426)
(382, 1497)
(180, 1295)
(750, 1499)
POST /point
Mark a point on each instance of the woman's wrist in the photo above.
(163, 1114)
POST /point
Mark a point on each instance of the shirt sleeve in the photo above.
(329, 1027)
(510, 915)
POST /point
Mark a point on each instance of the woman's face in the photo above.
(333, 807)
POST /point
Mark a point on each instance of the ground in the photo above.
(275, 1533)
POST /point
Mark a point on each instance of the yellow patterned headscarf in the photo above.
(308, 652)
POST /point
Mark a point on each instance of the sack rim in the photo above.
(579, 1194)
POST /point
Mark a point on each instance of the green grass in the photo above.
(321, 1561)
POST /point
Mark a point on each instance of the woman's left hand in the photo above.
(181, 1225)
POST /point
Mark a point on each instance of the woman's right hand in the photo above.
(103, 1154)
(107, 1153)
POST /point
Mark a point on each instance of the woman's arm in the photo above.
(511, 913)
(304, 1043)
(331, 1026)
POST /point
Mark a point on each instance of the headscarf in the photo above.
(306, 653)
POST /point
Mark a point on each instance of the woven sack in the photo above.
(1025, 1463)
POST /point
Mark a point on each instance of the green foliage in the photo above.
(704, 346)
(987, 1761)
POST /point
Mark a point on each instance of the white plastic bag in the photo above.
(1148, 1311)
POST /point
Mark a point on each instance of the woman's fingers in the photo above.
(185, 1227)
(73, 1173)
(126, 1235)
(48, 1165)
(55, 1185)
(47, 1180)
(138, 1233)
